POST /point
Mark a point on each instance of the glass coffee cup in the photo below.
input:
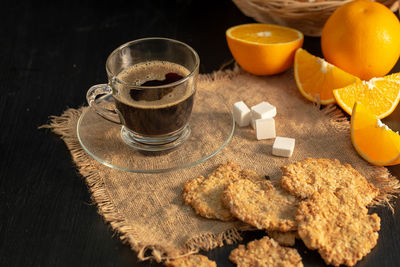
(150, 92)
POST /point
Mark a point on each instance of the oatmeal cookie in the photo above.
(265, 252)
(196, 260)
(204, 193)
(338, 225)
(261, 204)
(304, 178)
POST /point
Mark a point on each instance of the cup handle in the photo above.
(100, 98)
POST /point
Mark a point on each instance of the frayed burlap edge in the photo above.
(61, 125)
(389, 186)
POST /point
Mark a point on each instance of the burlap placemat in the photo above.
(147, 210)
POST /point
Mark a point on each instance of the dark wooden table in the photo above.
(51, 53)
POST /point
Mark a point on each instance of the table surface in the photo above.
(51, 54)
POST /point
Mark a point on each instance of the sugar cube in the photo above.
(283, 146)
(265, 128)
(253, 123)
(263, 110)
(241, 114)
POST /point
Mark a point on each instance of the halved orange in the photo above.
(374, 141)
(316, 78)
(263, 49)
(379, 95)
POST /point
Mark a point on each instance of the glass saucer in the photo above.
(211, 124)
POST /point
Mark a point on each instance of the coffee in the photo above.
(154, 111)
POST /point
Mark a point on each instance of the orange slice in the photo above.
(263, 49)
(372, 139)
(316, 78)
(379, 95)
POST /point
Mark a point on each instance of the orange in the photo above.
(362, 38)
(263, 49)
(372, 139)
(379, 95)
(316, 78)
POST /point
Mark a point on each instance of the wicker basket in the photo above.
(308, 16)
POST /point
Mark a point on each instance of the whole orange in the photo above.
(362, 38)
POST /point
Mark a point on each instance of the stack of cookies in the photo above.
(321, 201)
